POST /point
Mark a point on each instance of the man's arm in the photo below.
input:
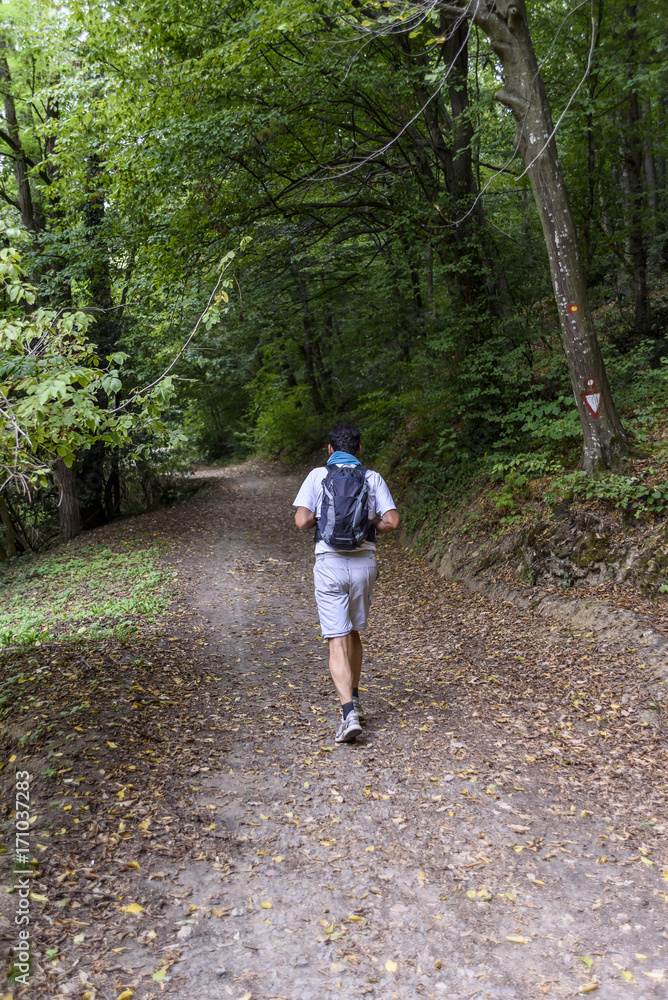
(389, 522)
(305, 518)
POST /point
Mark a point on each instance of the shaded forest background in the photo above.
(226, 227)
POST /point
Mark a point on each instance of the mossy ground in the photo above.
(89, 588)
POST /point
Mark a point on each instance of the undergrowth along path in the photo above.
(496, 833)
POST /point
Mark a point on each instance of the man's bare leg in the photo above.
(340, 668)
(345, 664)
(355, 656)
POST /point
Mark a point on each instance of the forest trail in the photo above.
(481, 840)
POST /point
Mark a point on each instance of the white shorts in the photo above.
(343, 589)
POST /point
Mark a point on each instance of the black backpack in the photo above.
(344, 517)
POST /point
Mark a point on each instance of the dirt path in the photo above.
(498, 832)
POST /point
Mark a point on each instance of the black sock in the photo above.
(346, 709)
(356, 692)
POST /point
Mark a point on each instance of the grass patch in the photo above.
(91, 591)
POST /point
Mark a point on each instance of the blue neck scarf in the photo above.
(343, 458)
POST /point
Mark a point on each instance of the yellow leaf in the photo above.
(144, 824)
(159, 974)
(12, 758)
(641, 958)
(370, 849)
(587, 960)
(628, 976)
(390, 966)
(646, 861)
(38, 897)
(114, 746)
(471, 894)
(588, 987)
(263, 854)
(354, 918)
(132, 908)
(517, 939)
(211, 826)
(262, 816)
(266, 906)
(307, 784)
(125, 995)
(277, 860)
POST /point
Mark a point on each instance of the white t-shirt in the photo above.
(310, 496)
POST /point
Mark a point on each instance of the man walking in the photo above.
(348, 505)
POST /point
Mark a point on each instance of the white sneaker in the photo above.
(349, 729)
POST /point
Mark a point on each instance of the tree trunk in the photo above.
(633, 164)
(650, 166)
(10, 538)
(505, 24)
(68, 505)
(112, 489)
(309, 338)
(30, 216)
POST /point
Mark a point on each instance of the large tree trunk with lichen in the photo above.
(505, 24)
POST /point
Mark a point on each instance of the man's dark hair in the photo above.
(345, 437)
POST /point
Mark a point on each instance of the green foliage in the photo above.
(89, 593)
(383, 283)
(637, 495)
(54, 392)
(286, 423)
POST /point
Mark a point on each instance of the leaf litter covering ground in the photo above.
(499, 831)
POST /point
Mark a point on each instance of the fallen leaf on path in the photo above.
(391, 966)
(132, 908)
(587, 960)
(517, 939)
(588, 987)
(159, 974)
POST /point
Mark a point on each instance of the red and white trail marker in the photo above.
(592, 397)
